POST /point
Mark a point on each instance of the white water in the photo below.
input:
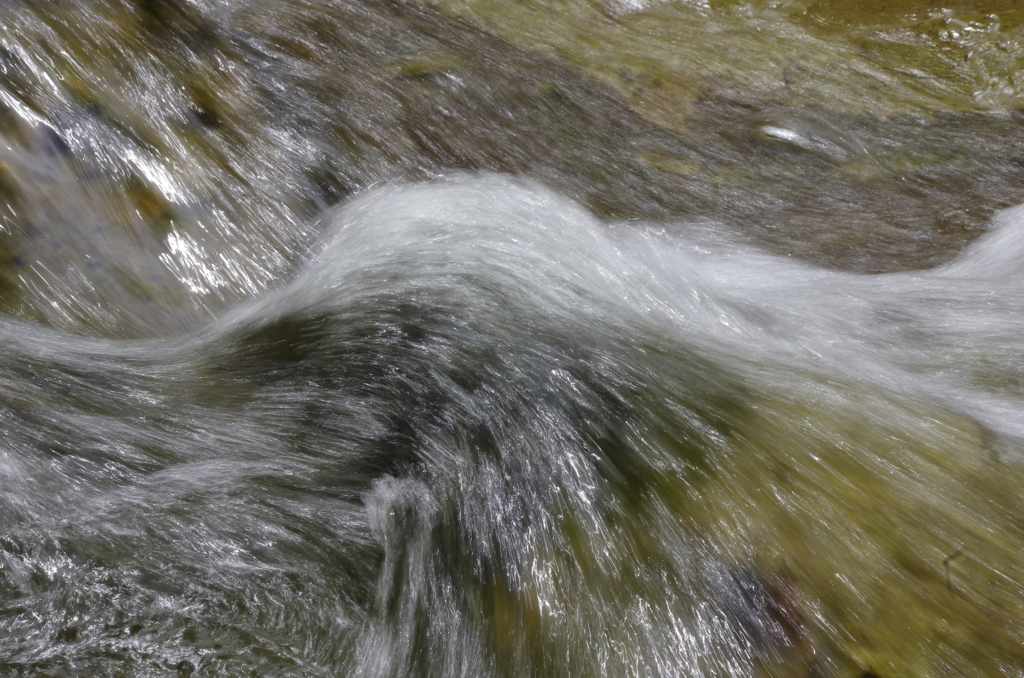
(509, 250)
(468, 437)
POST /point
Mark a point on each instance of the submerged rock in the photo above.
(180, 154)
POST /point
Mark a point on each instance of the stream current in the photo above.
(355, 340)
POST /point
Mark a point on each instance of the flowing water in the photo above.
(566, 338)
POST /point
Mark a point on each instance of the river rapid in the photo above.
(511, 339)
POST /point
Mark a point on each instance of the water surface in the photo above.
(511, 339)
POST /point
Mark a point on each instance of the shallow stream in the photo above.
(511, 339)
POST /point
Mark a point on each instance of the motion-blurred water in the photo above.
(403, 340)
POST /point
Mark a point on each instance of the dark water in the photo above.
(486, 339)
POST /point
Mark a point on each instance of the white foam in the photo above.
(935, 332)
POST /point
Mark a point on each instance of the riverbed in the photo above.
(477, 338)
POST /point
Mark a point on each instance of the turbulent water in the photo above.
(487, 339)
